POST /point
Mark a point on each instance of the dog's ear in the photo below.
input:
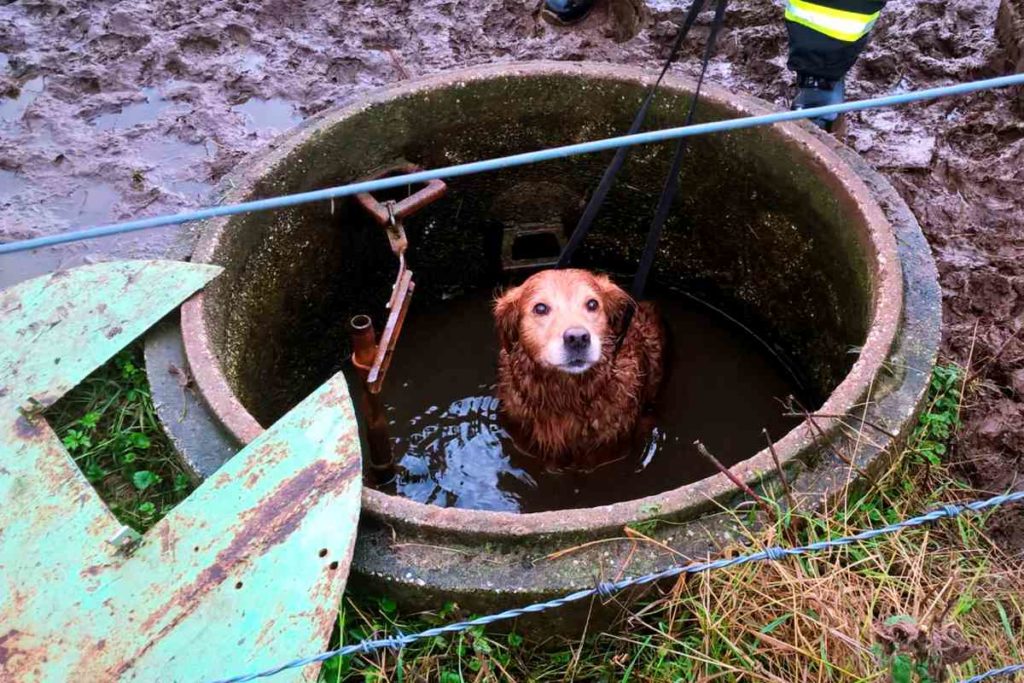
(615, 300)
(506, 317)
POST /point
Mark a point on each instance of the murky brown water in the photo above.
(452, 451)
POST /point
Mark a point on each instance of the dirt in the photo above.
(117, 110)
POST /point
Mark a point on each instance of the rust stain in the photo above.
(8, 646)
(94, 570)
(17, 603)
(270, 454)
(348, 445)
(167, 539)
(266, 634)
(252, 480)
(27, 429)
(55, 277)
(113, 331)
(270, 523)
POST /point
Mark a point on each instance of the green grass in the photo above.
(109, 427)
(870, 612)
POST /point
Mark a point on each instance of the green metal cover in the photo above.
(244, 574)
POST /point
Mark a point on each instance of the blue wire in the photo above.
(1004, 671)
(509, 161)
(607, 588)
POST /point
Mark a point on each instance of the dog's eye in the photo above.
(592, 305)
(541, 309)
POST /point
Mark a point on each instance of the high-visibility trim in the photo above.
(835, 23)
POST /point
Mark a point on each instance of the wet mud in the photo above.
(117, 110)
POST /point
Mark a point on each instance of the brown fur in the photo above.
(568, 418)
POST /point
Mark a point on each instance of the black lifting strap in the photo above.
(668, 192)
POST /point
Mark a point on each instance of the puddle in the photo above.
(134, 114)
(171, 165)
(12, 110)
(452, 450)
(90, 205)
(170, 155)
(272, 114)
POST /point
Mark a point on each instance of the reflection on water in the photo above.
(135, 113)
(272, 114)
(459, 458)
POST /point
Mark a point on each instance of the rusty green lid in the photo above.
(244, 574)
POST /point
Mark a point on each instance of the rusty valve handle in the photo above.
(388, 213)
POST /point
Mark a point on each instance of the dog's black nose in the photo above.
(576, 339)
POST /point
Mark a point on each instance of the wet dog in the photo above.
(563, 387)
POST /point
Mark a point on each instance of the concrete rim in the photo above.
(876, 236)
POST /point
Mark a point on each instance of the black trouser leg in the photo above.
(827, 36)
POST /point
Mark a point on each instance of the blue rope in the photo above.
(607, 588)
(509, 161)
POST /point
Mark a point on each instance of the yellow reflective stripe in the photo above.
(835, 23)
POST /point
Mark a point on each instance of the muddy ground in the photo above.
(116, 110)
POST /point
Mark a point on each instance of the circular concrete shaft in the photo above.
(781, 226)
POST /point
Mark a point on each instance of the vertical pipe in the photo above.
(364, 351)
(364, 343)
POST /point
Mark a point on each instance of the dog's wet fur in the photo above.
(568, 397)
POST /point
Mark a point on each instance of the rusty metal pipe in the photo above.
(380, 464)
(364, 343)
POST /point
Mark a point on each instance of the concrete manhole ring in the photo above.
(870, 284)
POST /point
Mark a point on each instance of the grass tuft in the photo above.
(110, 428)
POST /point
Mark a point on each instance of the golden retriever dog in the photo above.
(562, 386)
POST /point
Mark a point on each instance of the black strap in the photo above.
(671, 187)
(597, 199)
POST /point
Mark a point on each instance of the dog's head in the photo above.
(564, 319)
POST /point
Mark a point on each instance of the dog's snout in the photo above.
(576, 339)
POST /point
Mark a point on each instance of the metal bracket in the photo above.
(401, 297)
(395, 230)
